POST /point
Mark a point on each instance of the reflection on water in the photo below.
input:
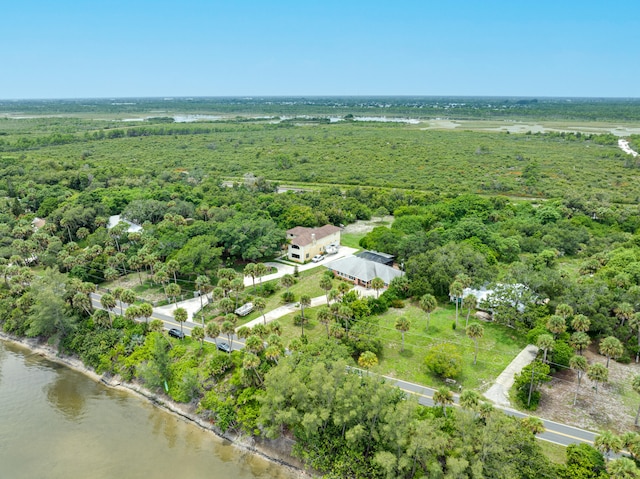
(64, 395)
(56, 423)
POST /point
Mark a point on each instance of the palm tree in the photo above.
(326, 284)
(580, 341)
(251, 362)
(254, 344)
(305, 300)
(225, 284)
(261, 330)
(469, 302)
(212, 329)
(634, 322)
(273, 353)
(197, 333)
(156, 326)
(243, 332)
(228, 329)
(546, 343)
(580, 323)
(611, 347)
(455, 291)
(368, 360)
(260, 304)
(275, 327)
(428, 304)
(225, 305)
(261, 270)
(180, 315)
(533, 424)
(622, 468)
(557, 325)
(469, 399)
(564, 310)
(146, 311)
(300, 320)
(117, 293)
(623, 312)
(403, 325)
(173, 291)
(377, 284)
(203, 283)
(250, 270)
(287, 281)
(132, 313)
(579, 365)
(333, 295)
(598, 374)
(324, 317)
(237, 286)
(172, 266)
(635, 384)
(607, 442)
(343, 288)
(81, 302)
(108, 302)
(475, 331)
(128, 297)
(443, 396)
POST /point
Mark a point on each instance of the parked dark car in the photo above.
(224, 347)
(176, 333)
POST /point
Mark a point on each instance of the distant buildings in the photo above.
(305, 243)
(115, 219)
(361, 271)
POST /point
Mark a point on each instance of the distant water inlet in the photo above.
(57, 423)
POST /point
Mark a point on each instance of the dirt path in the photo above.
(499, 392)
(624, 146)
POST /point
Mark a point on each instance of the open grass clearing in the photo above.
(496, 349)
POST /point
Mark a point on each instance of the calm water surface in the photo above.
(57, 423)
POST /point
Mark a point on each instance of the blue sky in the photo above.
(75, 49)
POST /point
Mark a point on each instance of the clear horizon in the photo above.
(146, 49)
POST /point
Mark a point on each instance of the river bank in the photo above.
(275, 451)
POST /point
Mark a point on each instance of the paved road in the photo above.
(289, 267)
(168, 322)
(555, 432)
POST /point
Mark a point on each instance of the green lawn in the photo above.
(351, 239)
(495, 350)
(307, 283)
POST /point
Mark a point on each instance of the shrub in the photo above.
(288, 297)
(397, 303)
(532, 336)
(444, 360)
(561, 354)
(268, 289)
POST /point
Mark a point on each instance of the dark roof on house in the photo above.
(383, 258)
(363, 269)
(302, 236)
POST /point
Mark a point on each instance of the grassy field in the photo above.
(495, 350)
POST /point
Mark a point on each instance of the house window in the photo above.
(295, 246)
(296, 256)
(307, 255)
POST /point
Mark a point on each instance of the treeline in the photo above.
(596, 109)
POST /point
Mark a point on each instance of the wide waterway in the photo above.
(57, 423)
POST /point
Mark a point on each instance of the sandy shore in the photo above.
(276, 451)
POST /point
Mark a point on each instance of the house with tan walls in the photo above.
(305, 243)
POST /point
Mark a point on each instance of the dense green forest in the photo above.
(549, 220)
